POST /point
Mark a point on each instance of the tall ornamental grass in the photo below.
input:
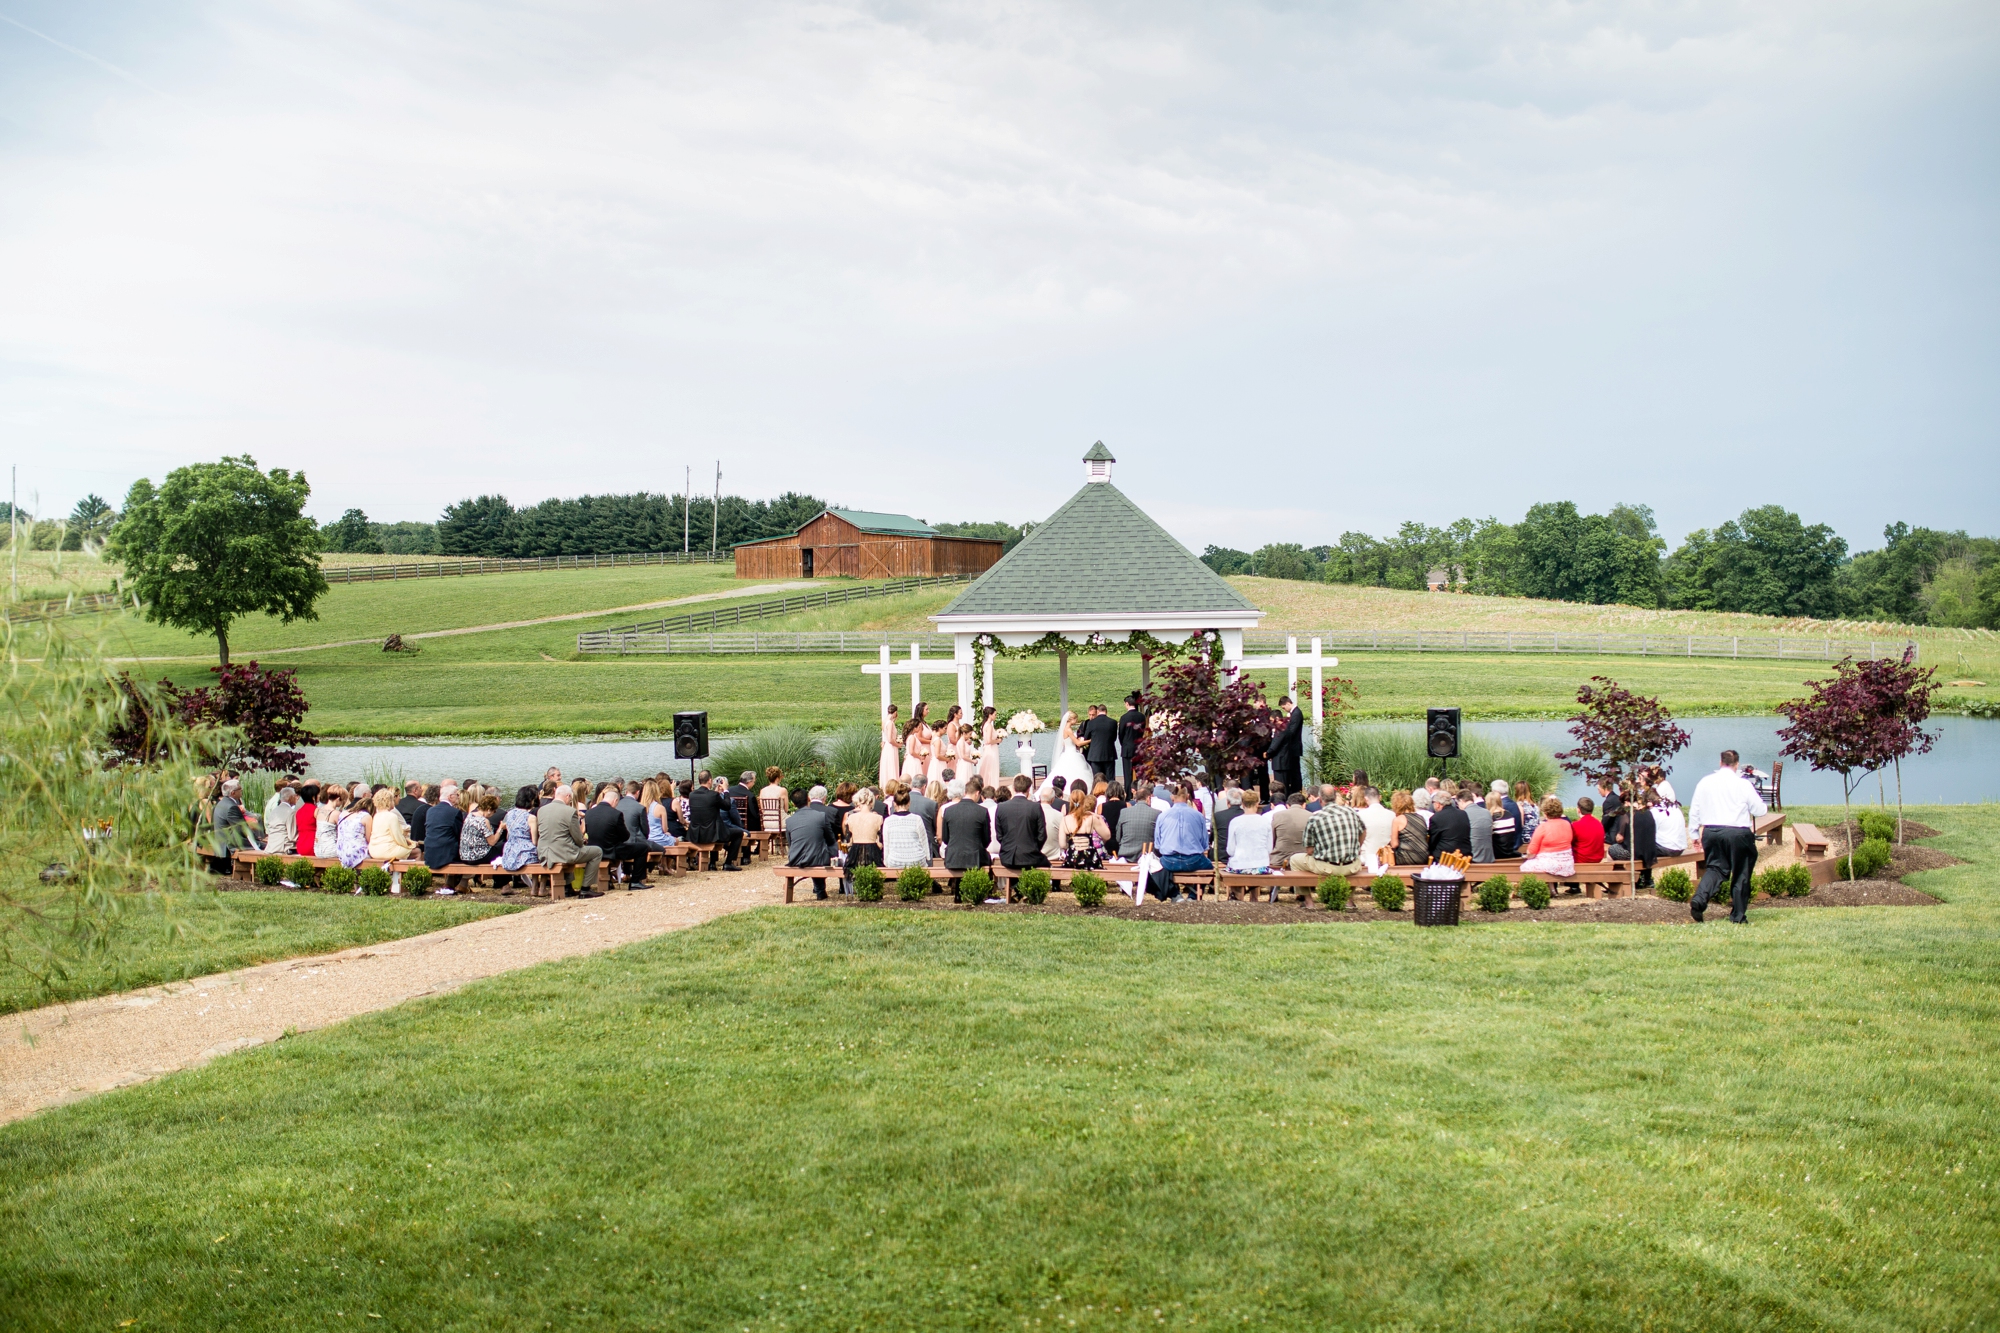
(82, 834)
(791, 748)
(1393, 756)
(854, 752)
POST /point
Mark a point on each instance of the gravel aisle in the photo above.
(68, 1051)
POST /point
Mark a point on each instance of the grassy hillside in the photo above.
(529, 679)
(806, 1118)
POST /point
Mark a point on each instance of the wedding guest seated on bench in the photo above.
(1333, 840)
(1180, 839)
(479, 837)
(1551, 851)
(808, 835)
(561, 843)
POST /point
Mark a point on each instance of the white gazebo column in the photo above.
(1317, 669)
(1292, 669)
(1062, 683)
(964, 653)
(992, 660)
(1232, 652)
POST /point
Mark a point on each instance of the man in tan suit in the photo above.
(559, 840)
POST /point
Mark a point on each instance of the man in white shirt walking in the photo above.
(1724, 816)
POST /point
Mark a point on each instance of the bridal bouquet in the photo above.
(1025, 722)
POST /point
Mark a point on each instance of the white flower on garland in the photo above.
(1024, 722)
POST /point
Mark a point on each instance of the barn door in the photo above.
(806, 561)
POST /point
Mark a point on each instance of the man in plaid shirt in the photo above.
(1333, 843)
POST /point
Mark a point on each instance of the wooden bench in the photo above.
(1771, 828)
(791, 875)
(1121, 873)
(1810, 843)
(242, 860)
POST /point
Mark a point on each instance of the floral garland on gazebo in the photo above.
(1138, 641)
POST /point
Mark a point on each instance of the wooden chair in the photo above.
(773, 810)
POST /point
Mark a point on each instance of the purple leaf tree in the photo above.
(1203, 718)
(1842, 726)
(1902, 691)
(254, 715)
(1617, 731)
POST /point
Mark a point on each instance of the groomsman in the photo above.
(1100, 737)
(1131, 729)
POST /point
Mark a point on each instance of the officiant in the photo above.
(1099, 737)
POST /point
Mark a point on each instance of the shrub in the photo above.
(1871, 856)
(868, 883)
(1877, 824)
(1088, 888)
(1674, 884)
(338, 879)
(417, 881)
(374, 881)
(1334, 893)
(1034, 886)
(302, 873)
(914, 884)
(975, 886)
(1533, 892)
(1496, 894)
(1388, 893)
(267, 871)
(1793, 881)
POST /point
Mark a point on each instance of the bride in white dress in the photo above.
(1069, 765)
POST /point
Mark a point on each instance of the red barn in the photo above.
(854, 543)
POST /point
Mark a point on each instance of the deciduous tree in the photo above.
(1841, 726)
(1617, 730)
(218, 541)
(1203, 718)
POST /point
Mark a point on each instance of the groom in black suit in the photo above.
(1099, 735)
(1288, 747)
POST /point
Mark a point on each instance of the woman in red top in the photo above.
(1589, 833)
(1552, 850)
(307, 817)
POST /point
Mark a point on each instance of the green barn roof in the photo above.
(888, 525)
(1098, 553)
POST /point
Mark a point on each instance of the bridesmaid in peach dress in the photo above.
(944, 749)
(963, 760)
(892, 761)
(917, 746)
(989, 749)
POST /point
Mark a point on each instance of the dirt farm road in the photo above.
(65, 1052)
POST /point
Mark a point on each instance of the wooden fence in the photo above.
(655, 636)
(77, 604)
(439, 569)
(708, 636)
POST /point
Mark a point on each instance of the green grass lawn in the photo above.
(808, 1119)
(192, 935)
(455, 688)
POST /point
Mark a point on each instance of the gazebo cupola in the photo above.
(1099, 570)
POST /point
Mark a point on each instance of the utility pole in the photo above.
(687, 501)
(13, 526)
(715, 514)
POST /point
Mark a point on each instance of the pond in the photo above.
(1964, 766)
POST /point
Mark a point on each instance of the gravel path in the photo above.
(69, 1051)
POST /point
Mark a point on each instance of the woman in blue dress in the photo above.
(520, 848)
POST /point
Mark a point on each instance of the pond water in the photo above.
(1964, 766)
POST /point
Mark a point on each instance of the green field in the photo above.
(805, 1118)
(530, 680)
(168, 938)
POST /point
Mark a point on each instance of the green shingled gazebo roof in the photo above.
(1098, 553)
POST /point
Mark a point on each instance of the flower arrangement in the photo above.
(1025, 723)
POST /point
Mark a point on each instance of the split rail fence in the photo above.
(440, 569)
(658, 636)
(715, 632)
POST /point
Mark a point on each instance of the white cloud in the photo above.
(903, 253)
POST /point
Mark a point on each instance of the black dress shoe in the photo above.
(1697, 910)
(732, 867)
(631, 884)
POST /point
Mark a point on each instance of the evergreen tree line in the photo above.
(599, 525)
(1767, 560)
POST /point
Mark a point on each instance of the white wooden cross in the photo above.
(916, 668)
(1291, 660)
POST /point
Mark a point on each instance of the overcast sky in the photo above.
(1304, 268)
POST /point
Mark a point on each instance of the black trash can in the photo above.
(1436, 900)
